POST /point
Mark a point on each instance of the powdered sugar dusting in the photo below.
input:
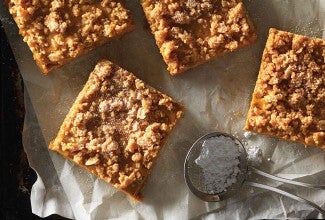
(254, 155)
(254, 152)
(247, 134)
(219, 160)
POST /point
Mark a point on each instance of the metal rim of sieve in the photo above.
(195, 151)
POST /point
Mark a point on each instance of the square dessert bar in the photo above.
(58, 31)
(190, 32)
(289, 97)
(116, 127)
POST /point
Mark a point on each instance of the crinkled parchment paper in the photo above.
(216, 96)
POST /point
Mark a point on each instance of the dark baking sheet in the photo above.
(17, 177)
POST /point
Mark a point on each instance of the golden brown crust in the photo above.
(60, 30)
(116, 127)
(289, 97)
(190, 32)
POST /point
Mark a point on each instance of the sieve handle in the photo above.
(284, 193)
(284, 180)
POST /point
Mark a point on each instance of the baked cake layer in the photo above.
(116, 127)
(289, 97)
(190, 32)
(60, 30)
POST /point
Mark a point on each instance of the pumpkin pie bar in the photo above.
(117, 127)
(289, 97)
(190, 32)
(58, 31)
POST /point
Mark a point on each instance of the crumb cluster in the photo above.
(116, 127)
(60, 30)
(289, 97)
(190, 32)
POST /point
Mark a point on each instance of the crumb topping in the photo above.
(189, 32)
(117, 126)
(59, 30)
(289, 97)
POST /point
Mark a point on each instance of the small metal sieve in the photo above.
(194, 177)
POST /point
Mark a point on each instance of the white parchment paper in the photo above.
(216, 96)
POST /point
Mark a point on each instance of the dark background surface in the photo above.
(16, 177)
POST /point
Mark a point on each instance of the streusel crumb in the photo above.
(289, 97)
(116, 127)
(60, 30)
(190, 32)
